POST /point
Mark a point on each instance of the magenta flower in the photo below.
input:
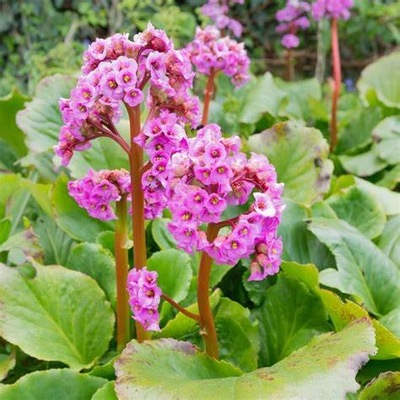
(217, 10)
(210, 52)
(98, 189)
(116, 70)
(338, 9)
(144, 297)
(291, 19)
(204, 188)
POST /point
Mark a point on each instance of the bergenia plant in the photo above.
(197, 178)
(333, 10)
(218, 10)
(291, 19)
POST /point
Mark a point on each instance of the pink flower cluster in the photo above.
(337, 9)
(97, 190)
(116, 70)
(210, 52)
(217, 10)
(212, 175)
(291, 19)
(161, 137)
(144, 297)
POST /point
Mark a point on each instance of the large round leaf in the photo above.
(389, 242)
(54, 384)
(387, 137)
(59, 315)
(363, 269)
(300, 156)
(385, 386)
(93, 260)
(380, 81)
(168, 369)
(174, 272)
(360, 209)
(289, 318)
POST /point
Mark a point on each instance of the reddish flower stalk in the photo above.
(208, 95)
(121, 261)
(138, 221)
(207, 324)
(289, 65)
(337, 76)
(183, 310)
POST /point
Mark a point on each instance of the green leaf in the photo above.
(305, 273)
(391, 178)
(73, 219)
(300, 156)
(22, 246)
(60, 384)
(357, 134)
(342, 314)
(389, 200)
(385, 386)
(392, 322)
(263, 97)
(289, 317)
(41, 119)
(389, 242)
(59, 315)
(5, 229)
(364, 164)
(41, 193)
(387, 137)
(300, 244)
(7, 363)
(93, 260)
(357, 259)
(9, 131)
(174, 272)
(161, 234)
(238, 338)
(55, 243)
(299, 95)
(106, 392)
(9, 183)
(166, 369)
(182, 327)
(380, 82)
(360, 209)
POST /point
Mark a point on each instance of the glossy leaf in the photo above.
(343, 313)
(238, 338)
(300, 156)
(167, 369)
(364, 164)
(385, 386)
(9, 131)
(289, 318)
(174, 272)
(360, 209)
(106, 392)
(300, 244)
(161, 234)
(98, 263)
(389, 200)
(263, 97)
(357, 273)
(387, 137)
(389, 242)
(60, 384)
(59, 315)
(380, 82)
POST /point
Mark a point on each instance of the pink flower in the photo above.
(338, 9)
(144, 297)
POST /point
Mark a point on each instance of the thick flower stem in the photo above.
(138, 221)
(289, 65)
(208, 95)
(337, 76)
(121, 261)
(207, 325)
